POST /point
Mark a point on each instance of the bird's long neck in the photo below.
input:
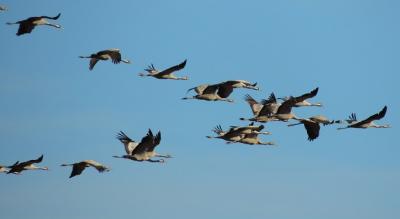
(226, 99)
(380, 126)
(39, 168)
(267, 143)
(294, 124)
(245, 119)
(65, 165)
(145, 74)
(164, 156)
(316, 104)
(53, 25)
(156, 161)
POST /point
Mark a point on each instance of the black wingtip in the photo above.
(383, 111)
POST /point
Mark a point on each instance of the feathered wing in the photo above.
(376, 116)
(115, 56)
(92, 63)
(254, 105)
(129, 144)
(218, 130)
(286, 106)
(144, 144)
(306, 96)
(173, 68)
(77, 169)
(29, 162)
(312, 129)
(156, 142)
(224, 89)
(207, 89)
(271, 99)
(25, 27)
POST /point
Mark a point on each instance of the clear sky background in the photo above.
(52, 104)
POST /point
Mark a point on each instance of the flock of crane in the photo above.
(266, 110)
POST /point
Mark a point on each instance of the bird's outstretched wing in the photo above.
(306, 96)
(25, 27)
(52, 18)
(271, 99)
(376, 116)
(218, 130)
(145, 143)
(92, 63)
(77, 169)
(129, 144)
(173, 68)
(29, 162)
(225, 89)
(312, 129)
(286, 106)
(115, 55)
(254, 105)
(156, 142)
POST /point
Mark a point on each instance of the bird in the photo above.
(144, 150)
(165, 74)
(18, 167)
(27, 25)
(113, 54)
(312, 125)
(236, 133)
(366, 123)
(254, 104)
(262, 111)
(220, 91)
(3, 8)
(242, 84)
(230, 135)
(320, 119)
(284, 110)
(77, 168)
(251, 139)
(301, 103)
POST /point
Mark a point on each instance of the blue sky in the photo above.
(53, 105)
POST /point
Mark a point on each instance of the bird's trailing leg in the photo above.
(262, 133)
(11, 23)
(231, 142)
(156, 161)
(295, 124)
(143, 74)
(266, 143)
(188, 98)
(226, 99)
